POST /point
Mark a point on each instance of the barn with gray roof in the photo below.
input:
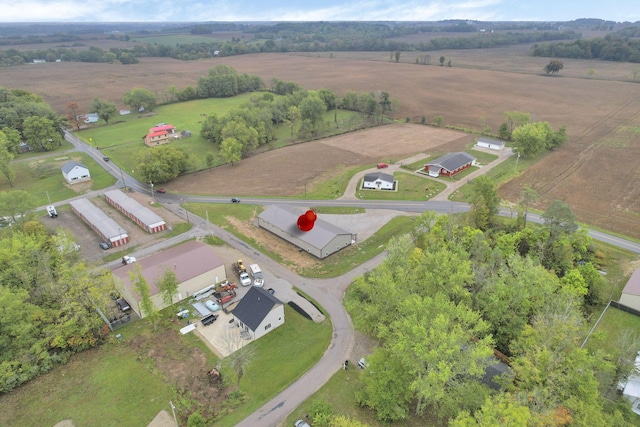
(109, 230)
(450, 164)
(321, 241)
(141, 215)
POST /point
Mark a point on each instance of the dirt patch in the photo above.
(286, 171)
(296, 258)
(163, 352)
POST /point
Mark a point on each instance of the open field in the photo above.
(601, 115)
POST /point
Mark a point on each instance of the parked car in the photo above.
(301, 423)
(105, 158)
(103, 245)
(235, 200)
(123, 305)
(161, 190)
(128, 260)
(363, 364)
(383, 165)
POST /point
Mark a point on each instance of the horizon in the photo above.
(252, 11)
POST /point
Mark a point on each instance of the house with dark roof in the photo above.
(321, 241)
(631, 293)
(258, 313)
(161, 134)
(450, 164)
(194, 263)
(74, 172)
(378, 181)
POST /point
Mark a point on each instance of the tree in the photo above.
(105, 109)
(196, 420)
(140, 98)
(514, 120)
(5, 160)
(502, 410)
(41, 133)
(312, 108)
(161, 164)
(237, 128)
(385, 105)
(442, 59)
(141, 287)
(559, 219)
(73, 115)
(168, 286)
(240, 360)
(531, 139)
(231, 150)
(396, 54)
(554, 66)
(484, 202)
(13, 139)
(293, 115)
(527, 196)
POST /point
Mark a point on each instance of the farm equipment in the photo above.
(227, 286)
(224, 296)
(241, 271)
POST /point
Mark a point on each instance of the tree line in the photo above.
(460, 289)
(622, 46)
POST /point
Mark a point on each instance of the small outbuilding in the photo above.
(378, 181)
(492, 144)
(450, 164)
(258, 313)
(321, 241)
(631, 293)
(74, 172)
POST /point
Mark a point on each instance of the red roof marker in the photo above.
(307, 220)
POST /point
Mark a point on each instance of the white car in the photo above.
(301, 423)
(258, 283)
(128, 260)
(51, 210)
(245, 280)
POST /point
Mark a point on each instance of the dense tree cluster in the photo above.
(622, 46)
(449, 294)
(48, 299)
(25, 117)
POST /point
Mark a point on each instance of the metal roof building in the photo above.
(112, 232)
(141, 215)
(323, 240)
(450, 164)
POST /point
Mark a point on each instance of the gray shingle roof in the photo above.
(491, 141)
(143, 213)
(68, 166)
(373, 177)
(286, 218)
(254, 307)
(452, 161)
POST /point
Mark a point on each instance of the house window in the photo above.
(266, 327)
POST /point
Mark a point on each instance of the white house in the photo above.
(258, 313)
(75, 172)
(631, 293)
(378, 181)
(492, 144)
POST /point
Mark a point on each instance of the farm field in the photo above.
(601, 115)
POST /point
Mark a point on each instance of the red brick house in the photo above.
(450, 164)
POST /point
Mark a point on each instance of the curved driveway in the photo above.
(328, 293)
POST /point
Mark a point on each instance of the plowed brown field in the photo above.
(597, 172)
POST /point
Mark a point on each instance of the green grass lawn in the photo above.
(410, 187)
(335, 187)
(611, 326)
(113, 385)
(43, 179)
(281, 357)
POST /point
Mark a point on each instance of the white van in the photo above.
(256, 273)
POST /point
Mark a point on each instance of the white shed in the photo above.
(75, 172)
(492, 144)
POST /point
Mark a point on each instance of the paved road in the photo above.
(328, 293)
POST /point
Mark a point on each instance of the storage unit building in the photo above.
(141, 215)
(109, 230)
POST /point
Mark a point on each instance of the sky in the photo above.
(313, 10)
